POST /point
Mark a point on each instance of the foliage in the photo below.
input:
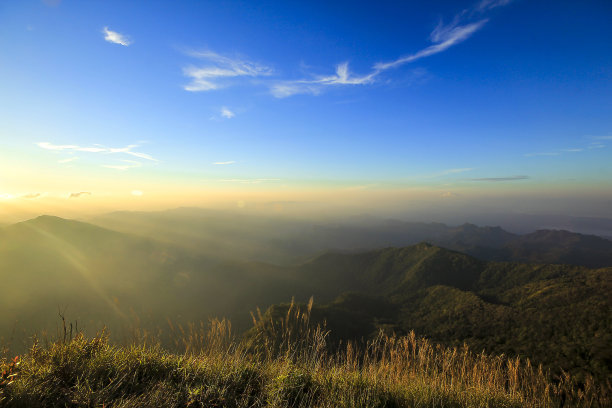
(285, 363)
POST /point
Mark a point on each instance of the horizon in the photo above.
(448, 110)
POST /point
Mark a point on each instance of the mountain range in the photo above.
(167, 269)
(284, 240)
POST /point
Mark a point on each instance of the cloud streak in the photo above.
(597, 143)
(442, 37)
(218, 69)
(224, 162)
(226, 113)
(498, 179)
(68, 160)
(131, 164)
(96, 149)
(116, 38)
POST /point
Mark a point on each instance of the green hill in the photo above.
(558, 315)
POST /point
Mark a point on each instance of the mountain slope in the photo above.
(558, 315)
(284, 240)
(103, 277)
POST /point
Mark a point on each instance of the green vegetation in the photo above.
(285, 363)
(556, 315)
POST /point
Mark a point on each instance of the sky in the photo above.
(497, 104)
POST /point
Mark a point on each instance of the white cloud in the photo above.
(342, 76)
(137, 193)
(68, 160)
(596, 145)
(226, 113)
(224, 162)
(442, 37)
(289, 88)
(115, 37)
(455, 171)
(491, 4)
(50, 146)
(218, 68)
(95, 149)
(498, 179)
(131, 164)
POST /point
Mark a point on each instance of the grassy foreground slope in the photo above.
(286, 364)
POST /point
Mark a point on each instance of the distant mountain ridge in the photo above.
(293, 241)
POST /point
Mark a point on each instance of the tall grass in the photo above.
(284, 362)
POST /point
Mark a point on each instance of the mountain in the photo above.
(98, 277)
(545, 246)
(557, 315)
(289, 241)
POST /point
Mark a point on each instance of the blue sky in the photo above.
(443, 96)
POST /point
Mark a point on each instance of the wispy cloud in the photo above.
(226, 113)
(50, 146)
(455, 171)
(597, 142)
(342, 76)
(497, 179)
(224, 162)
(115, 37)
(596, 145)
(68, 160)
(219, 68)
(444, 36)
(79, 194)
(491, 4)
(96, 149)
(131, 164)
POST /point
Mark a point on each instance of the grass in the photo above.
(282, 363)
